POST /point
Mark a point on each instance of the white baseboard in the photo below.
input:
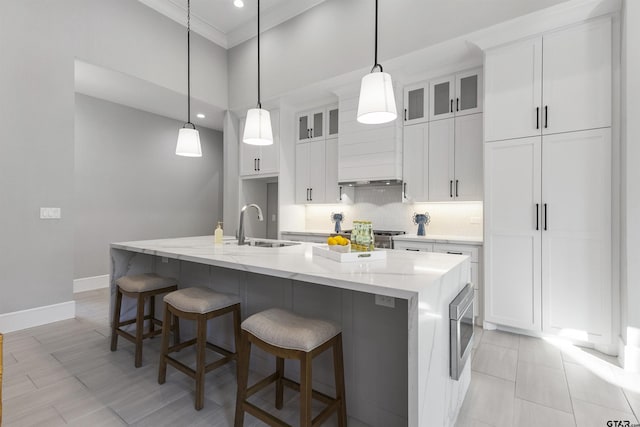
(90, 283)
(23, 319)
(629, 356)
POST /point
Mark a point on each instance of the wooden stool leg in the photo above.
(139, 331)
(338, 366)
(279, 385)
(176, 329)
(305, 390)
(116, 319)
(152, 314)
(164, 349)
(201, 346)
(244, 355)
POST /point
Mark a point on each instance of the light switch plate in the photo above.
(50, 213)
(385, 301)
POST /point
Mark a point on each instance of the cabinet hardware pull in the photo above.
(537, 216)
(457, 104)
(414, 250)
(456, 188)
(546, 118)
(405, 114)
(258, 164)
(255, 165)
(404, 189)
(311, 194)
(340, 193)
(451, 188)
(454, 253)
(307, 194)
(537, 117)
(311, 132)
(545, 217)
(308, 133)
(452, 105)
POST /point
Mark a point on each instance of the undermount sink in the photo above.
(268, 243)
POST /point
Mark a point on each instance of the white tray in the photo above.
(324, 251)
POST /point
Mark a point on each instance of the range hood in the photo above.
(371, 183)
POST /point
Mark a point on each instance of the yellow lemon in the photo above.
(331, 241)
(345, 242)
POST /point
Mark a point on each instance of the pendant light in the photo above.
(188, 137)
(257, 127)
(377, 103)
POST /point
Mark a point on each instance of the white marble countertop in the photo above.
(466, 240)
(310, 232)
(402, 274)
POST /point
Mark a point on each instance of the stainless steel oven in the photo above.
(460, 330)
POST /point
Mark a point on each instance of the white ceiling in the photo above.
(226, 25)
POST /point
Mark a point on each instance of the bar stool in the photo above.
(140, 287)
(289, 336)
(199, 304)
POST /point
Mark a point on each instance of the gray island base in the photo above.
(396, 358)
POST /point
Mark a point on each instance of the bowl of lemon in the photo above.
(339, 244)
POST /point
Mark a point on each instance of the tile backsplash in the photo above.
(383, 206)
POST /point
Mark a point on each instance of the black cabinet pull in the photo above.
(454, 253)
(545, 217)
(311, 133)
(450, 188)
(451, 105)
(457, 104)
(414, 250)
(307, 194)
(456, 188)
(404, 189)
(340, 193)
(405, 114)
(546, 118)
(258, 164)
(255, 165)
(537, 216)
(311, 194)
(537, 117)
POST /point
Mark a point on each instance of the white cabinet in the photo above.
(548, 234)
(259, 160)
(456, 95)
(474, 252)
(416, 103)
(310, 172)
(332, 118)
(415, 159)
(559, 82)
(455, 153)
(310, 125)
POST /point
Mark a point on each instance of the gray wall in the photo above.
(130, 185)
(39, 40)
(336, 37)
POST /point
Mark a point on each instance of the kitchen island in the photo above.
(394, 315)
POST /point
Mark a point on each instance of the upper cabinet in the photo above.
(558, 82)
(456, 95)
(332, 120)
(258, 160)
(317, 124)
(416, 103)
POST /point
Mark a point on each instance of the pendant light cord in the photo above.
(375, 55)
(259, 103)
(189, 65)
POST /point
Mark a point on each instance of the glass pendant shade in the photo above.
(188, 143)
(257, 127)
(377, 103)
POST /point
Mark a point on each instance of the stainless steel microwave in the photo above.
(460, 330)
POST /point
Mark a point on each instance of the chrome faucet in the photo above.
(241, 238)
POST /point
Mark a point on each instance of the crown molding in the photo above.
(178, 14)
(544, 20)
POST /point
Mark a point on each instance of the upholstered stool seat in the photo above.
(200, 305)
(141, 287)
(289, 336)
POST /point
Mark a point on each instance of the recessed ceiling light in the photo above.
(238, 3)
(200, 116)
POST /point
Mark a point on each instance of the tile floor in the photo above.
(64, 374)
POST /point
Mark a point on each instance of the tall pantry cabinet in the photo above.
(548, 248)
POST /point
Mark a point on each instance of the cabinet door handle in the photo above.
(311, 194)
(307, 194)
(457, 104)
(405, 114)
(258, 164)
(452, 105)
(537, 117)
(451, 188)
(456, 188)
(546, 117)
(413, 250)
(537, 216)
(454, 253)
(404, 189)
(311, 132)
(255, 165)
(340, 193)
(545, 217)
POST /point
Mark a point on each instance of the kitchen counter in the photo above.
(396, 358)
(463, 240)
